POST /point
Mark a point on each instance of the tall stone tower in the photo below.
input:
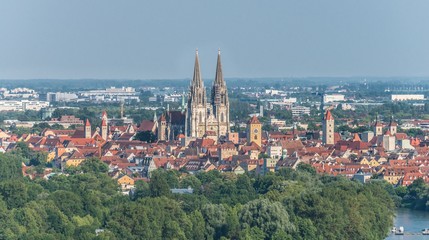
(254, 131)
(87, 129)
(104, 125)
(328, 129)
(393, 127)
(220, 101)
(104, 116)
(162, 128)
(197, 103)
(104, 129)
(378, 127)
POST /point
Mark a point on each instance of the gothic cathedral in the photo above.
(207, 117)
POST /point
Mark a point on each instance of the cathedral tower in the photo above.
(197, 103)
(219, 100)
(207, 117)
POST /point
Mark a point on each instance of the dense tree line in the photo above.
(414, 196)
(290, 204)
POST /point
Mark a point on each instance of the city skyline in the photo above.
(134, 40)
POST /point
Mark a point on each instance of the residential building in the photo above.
(275, 151)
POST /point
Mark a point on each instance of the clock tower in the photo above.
(254, 131)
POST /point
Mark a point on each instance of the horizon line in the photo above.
(230, 78)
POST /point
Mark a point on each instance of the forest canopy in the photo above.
(290, 204)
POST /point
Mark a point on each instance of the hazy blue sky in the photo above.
(137, 39)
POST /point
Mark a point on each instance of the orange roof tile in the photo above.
(254, 120)
(328, 115)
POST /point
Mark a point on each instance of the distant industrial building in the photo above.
(407, 97)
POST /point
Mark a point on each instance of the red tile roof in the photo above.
(254, 120)
(146, 125)
(328, 115)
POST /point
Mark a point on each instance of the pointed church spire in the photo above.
(219, 75)
(197, 80)
(294, 131)
(392, 122)
(377, 123)
(183, 101)
(197, 90)
(219, 92)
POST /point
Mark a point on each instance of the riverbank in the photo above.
(413, 221)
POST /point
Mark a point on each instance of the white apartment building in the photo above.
(274, 152)
(273, 92)
(22, 105)
(112, 94)
(289, 100)
(18, 93)
(333, 98)
(300, 110)
(172, 97)
(407, 97)
(277, 122)
(60, 96)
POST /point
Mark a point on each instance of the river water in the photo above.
(413, 223)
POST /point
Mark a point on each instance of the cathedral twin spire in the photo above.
(219, 76)
(219, 94)
(197, 80)
(197, 91)
(199, 110)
